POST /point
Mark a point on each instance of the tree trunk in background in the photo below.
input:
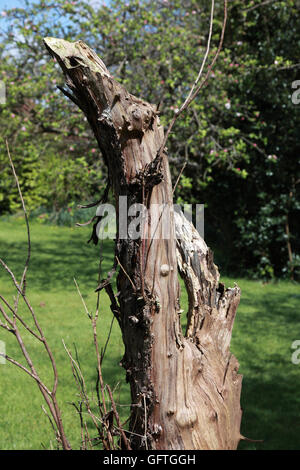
(185, 389)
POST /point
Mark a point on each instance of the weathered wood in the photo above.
(185, 389)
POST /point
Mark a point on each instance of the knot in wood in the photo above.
(136, 114)
(164, 269)
(139, 117)
(133, 320)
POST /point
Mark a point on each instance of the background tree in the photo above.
(238, 141)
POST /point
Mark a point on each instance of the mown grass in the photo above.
(267, 323)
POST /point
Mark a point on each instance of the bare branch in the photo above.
(32, 375)
(258, 5)
(79, 378)
(103, 351)
(82, 299)
(19, 318)
(6, 317)
(125, 440)
(124, 271)
(145, 413)
(6, 327)
(42, 338)
(58, 440)
(179, 176)
(188, 98)
(195, 89)
(49, 396)
(23, 280)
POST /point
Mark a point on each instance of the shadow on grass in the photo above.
(271, 413)
(55, 262)
(266, 326)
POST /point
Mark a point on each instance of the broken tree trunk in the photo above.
(185, 389)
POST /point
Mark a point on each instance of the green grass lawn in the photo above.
(267, 323)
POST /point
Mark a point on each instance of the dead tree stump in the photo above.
(185, 389)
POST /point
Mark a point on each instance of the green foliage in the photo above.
(239, 136)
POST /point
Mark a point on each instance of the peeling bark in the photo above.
(185, 389)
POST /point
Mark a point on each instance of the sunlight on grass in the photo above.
(267, 323)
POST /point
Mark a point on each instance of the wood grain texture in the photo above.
(185, 389)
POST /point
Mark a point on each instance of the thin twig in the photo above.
(258, 5)
(79, 378)
(49, 396)
(6, 317)
(126, 274)
(32, 375)
(19, 318)
(179, 176)
(145, 425)
(125, 440)
(23, 280)
(195, 89)
(6, 327)
(82, 299)
(53, 426)
(107, 339)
